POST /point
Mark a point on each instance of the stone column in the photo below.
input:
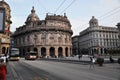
(56, 51)
(47, 52)
(69, 52)
(39, 51)
(103, 51)
(63, 51)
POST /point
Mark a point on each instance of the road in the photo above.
(48, 70)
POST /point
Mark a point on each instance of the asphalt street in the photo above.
(49, 70)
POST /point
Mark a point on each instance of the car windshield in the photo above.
(32, 53)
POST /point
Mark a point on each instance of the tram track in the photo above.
(24, 71)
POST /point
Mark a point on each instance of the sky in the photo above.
(79, 12)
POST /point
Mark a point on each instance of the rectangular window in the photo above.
(2, 19)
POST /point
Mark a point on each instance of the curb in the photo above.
(73, 61)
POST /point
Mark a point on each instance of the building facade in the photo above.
(98, 39)
(75, 45)
(118, 25)
(5, 37)
(50, 37)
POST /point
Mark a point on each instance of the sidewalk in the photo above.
(84, 59)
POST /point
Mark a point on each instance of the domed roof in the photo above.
(93, 20)
(33, 16)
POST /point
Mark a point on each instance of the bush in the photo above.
(100, 61)
(119, 60)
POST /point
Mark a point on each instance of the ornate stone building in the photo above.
(5, 37)
(49, 37)
(98, 39)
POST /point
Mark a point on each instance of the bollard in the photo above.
(3, 70)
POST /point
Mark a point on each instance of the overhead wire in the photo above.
(43, 6)
(109, 15)
(59, 6)
(106, 14)
(109, 12)
(68, 6)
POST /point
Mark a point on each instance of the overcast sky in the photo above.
(79, 12)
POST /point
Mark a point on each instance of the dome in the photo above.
(93, 21)
(33, 16)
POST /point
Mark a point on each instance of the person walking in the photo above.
(92, 61)
(79, 57)
(3, 70)
(4, 58)
(111, 59)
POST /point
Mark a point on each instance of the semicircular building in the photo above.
(49, 37)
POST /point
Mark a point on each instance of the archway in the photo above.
(101, 50)
(7, 51)
(66, 52)
(35, 50)
(28, 49)
(60, 52)
(23, 52)
(43, 51)
(52, 52)
(3, 50)
(95, 52)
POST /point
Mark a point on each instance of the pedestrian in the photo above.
(4, 57)
(3, 70)
(79, 56)
(92, 61)
(111, 59)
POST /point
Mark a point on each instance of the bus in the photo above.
(14, 54)
(31, 55)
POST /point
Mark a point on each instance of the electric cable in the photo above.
(68, 6)
(106, 14)
(43, 6)
(59, 6)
